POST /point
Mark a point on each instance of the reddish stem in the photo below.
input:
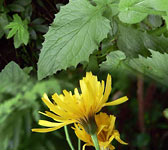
(140, 94)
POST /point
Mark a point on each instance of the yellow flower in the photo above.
(81, 108)
(106, 132)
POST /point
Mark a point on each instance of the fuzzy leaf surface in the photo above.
(76, 32)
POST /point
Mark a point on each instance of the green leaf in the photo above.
(12, 32)
(154, 66)
(16, 8)
(138, 42)
(155, 21)
(75, 33)
(116, 65)
(17, 42)
(157, 43)
(28, 12)
(132, 44)
(33, 34)
(101, 2)
(12, 78)
(38, 21)
(50, 86)
(127, 15)
(19, 29)
(3, 23)
(158, 4)
(93, 64)
(22, 2)
(8, 106)
(41, 28)
(27, 70)
(114, 62)
(166, 20)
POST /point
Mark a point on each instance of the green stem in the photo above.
(148, 10)
(68, 138)
(95, 141)
(79, 144)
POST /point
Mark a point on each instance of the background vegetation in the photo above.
(128, 39)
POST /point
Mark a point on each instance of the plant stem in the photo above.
(68, 138)
(148, 11)
(95, 141)
(79, 144)
(140, 94)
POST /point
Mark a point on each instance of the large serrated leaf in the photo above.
(138, 42)
(12, 78)
(154, 66)
(157, 43)
(75, 33)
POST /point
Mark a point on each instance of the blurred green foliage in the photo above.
(19, 104)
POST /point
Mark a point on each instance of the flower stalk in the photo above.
(79, 144)
(68, 138)
(95, 141)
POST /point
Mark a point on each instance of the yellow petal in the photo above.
(53, 116)
(117, 101)
(53, 107)
(102, 119)
(77, 95)
(43, 130)
(109, 141)
(48, 103)
(60, 102)
(46, 97)
(81, 133)
(108, 89)
(111, 147)
(85, 146)
(101, 127)
(111, 126)
(50, 124)
(117, 137)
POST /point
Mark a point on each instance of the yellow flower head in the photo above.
(81, 108)
(106, 132)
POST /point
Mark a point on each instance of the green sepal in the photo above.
(90, 126)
